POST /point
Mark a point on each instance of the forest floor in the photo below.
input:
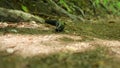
(32, 45)
(94, 44)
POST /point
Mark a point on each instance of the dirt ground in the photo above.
(32, 45)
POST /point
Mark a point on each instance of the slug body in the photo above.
(59, 25)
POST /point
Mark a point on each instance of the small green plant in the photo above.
(24, 8)
(63, 3)
(109, 5)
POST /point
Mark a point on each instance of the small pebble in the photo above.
(5, 24)
(10, 50)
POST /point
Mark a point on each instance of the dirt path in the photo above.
(32, 45)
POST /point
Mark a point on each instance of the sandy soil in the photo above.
(32, 45)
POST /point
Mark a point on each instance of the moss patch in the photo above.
(102, 30)
(25, 31)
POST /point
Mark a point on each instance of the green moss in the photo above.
(102, 30)
(24, 31)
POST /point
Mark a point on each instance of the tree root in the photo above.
(17, 15)
(61, 10)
